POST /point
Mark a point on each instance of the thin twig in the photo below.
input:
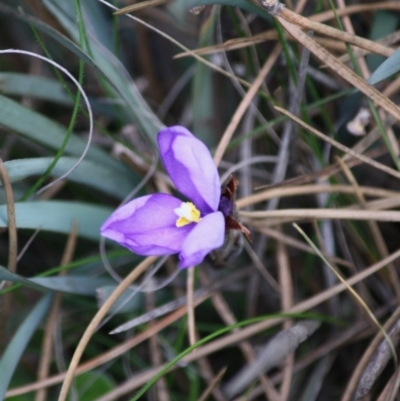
(212, 385)
(313, 189)
(341, 214)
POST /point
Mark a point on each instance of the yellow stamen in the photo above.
(187, 213)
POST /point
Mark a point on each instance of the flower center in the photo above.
(187, 213)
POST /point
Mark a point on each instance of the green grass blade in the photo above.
(126, 90)
(44, 88)
(78, 285)
(16, 347)
(49, 89)
(388, 68)
(90, 386)
(126, 303)
(384, 23)
(73, 284)
(44, 131)
(58, 216)
(202, 90)
(51, 32)
(112, 182)
(112, 69)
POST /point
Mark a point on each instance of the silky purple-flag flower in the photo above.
(161, 224)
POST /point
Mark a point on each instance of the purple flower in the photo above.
(161, 224)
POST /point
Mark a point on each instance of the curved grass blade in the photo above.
(113, 69)
(106, 66)
(124, 304)
(99, 22)
(64, 41)
(15, 349)
(49, 89)
(48, 30)
(116, 185)
(42, 130)
(74, 284)
(43, 88)
(388, 68)
(90, 386)
(78, 285)
(384, 23)
(58, 216)
(202, 91)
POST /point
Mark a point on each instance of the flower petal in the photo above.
(147, 225)
(191, 167)
(206, 236)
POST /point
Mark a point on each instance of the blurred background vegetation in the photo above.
(218, 68)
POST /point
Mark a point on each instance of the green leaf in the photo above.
(73, 284)
(202, 90)
(105, 65)
(80, 285)
(112, 182)
(388, 68)
(16, 347)
(42, 130)
(384, 23)
(112, 68)
(59, 216)
(48, 30)
(33, 85)
(92, 385)
(49, 89)
(126, 303)
(100, 22)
